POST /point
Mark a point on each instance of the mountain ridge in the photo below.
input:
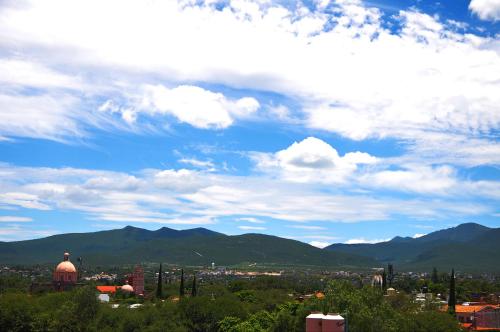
(478, 246)
(469, 246)
(197, 246)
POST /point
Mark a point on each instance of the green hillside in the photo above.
(190, 247)
(467, 247)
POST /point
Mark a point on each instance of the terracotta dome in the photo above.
(65, 265)
(127, 288)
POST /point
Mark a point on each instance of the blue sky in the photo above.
(321, 121)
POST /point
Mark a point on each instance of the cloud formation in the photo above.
(192, 197)
(312, 160)
(360, 79)
(196, 106)
(486, 9)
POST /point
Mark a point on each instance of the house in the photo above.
(107, 289)
(318, 322)
(477, 317)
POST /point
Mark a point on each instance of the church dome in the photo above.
(65, 265)
(127, 288)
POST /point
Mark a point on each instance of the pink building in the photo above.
(65, 275)
(136, 279)
(317, 322)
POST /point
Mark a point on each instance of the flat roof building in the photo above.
(318, 322)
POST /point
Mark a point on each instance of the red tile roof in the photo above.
(107, 289)
(471, 308)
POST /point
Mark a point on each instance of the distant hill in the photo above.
(198, 246)
(467, 247)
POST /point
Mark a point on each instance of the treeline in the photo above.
(235, 307)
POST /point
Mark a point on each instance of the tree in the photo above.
(390, 275)
(193, 289)
(452, 297)
(159, 287)
(434, 277)
(181, 288)
(384, 280)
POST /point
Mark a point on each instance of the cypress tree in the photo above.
(434, 277)
(384, 280)
(390, 275)
(181, 289)
(452, 298)
(159, 287)
(193, 289)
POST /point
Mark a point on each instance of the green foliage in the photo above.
(72, 311)
(240, 307)
(16, 313)
(228, 324)
(367, 309)
(193, 288)
(432, 321)
(181, 286)
(434, 277)
(201, 313)
(247, 296)
(452, 294)
(13, 282)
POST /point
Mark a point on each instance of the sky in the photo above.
(320, 121)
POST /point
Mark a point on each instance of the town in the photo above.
(256, 297)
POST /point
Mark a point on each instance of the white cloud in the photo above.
(251, 220)
(196, 106)
(22, 73)
(18, 233)
(20, 199)
(40, 116)
(319, 237)
(363, 240)
(361, 80)
(146, 201)
(199, 197)
(181, 180)
(416, 178)
(424, 226)
(307, 227)
(416, 236)
(486, 9)
(204, 164)
(252, 228)
(15, 219)
(439, 148)
(312, 160)
(319, 244)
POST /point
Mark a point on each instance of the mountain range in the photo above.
(198, 246)
(467, 247)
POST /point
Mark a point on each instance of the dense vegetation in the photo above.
(261, 304)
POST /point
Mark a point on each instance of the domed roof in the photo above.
(65, 265)
(127, 288)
